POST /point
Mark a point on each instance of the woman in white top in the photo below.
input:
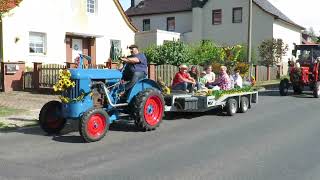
(237, 79)
(210, 76)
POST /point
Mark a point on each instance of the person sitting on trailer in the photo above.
(223, 82)
(183, 81)
(237, 79)
(210, 76)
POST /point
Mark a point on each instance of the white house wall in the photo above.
(159, 21)
(56, 18)
(289, 35)
(227, 32)
(155, 37)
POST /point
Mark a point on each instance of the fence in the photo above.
(167, 72)
(49, 74)
(262, 73)
(27, 80)
(46, 75)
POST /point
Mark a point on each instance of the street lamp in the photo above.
(250, 37)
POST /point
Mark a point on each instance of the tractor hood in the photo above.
(95, 74)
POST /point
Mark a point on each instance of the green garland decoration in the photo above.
(221, 93)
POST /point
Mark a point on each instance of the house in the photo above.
(54, 31)
(225, 22)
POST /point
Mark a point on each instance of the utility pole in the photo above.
(249, 49)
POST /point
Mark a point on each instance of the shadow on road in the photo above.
(192, 115)
(305, 94)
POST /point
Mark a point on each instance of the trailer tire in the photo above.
(231, 107)
(316, 90)
(244, 104)
(50, 117)
(94, 125)
(148, 109)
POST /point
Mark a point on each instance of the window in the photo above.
(146, 25)
(37, 43)
(216, 16)
(237, 15)
(171, 24)
(91, 6)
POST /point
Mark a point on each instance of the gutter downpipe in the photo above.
(249, 49)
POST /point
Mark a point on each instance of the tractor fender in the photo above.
(142, 85)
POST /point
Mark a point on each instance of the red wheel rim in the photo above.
(153, 110)
(96, 125)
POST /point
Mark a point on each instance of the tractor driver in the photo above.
(136, 68)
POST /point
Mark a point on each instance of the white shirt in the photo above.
(237, 80)
(210, 77)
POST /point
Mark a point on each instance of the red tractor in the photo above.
(303, 72)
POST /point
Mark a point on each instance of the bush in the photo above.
(171, 52)
(206, 52)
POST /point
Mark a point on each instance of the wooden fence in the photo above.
(262, 73)
(167, 72)
(49, 74)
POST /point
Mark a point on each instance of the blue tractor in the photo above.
(96, 100)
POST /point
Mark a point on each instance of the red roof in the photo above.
(7, 5)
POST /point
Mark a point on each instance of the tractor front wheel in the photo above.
(148, 108)
(284, 87)
(316, 90)
(50, 117)
(94, 125)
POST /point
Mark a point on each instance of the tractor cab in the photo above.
(308, 56)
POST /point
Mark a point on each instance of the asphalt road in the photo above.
(278, 139)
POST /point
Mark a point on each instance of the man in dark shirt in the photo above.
(136, 68)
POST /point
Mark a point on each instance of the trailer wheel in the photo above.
(94, 125)
(231, 107)
(284, 87)
(316, 90)
(50, 117)
(147, 109)
(244, 104)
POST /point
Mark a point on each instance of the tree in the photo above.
(7, 5)
(312, 34)
(271, 51)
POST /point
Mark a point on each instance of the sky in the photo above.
(305, 13)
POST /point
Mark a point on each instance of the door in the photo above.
(76, 48)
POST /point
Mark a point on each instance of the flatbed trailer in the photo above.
(231, 103)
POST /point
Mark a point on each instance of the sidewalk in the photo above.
(29, 105)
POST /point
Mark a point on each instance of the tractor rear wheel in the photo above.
(94, 125)
(316, 90)
(147, 109)
(284, 87)
(231, 107)
(50, 117)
